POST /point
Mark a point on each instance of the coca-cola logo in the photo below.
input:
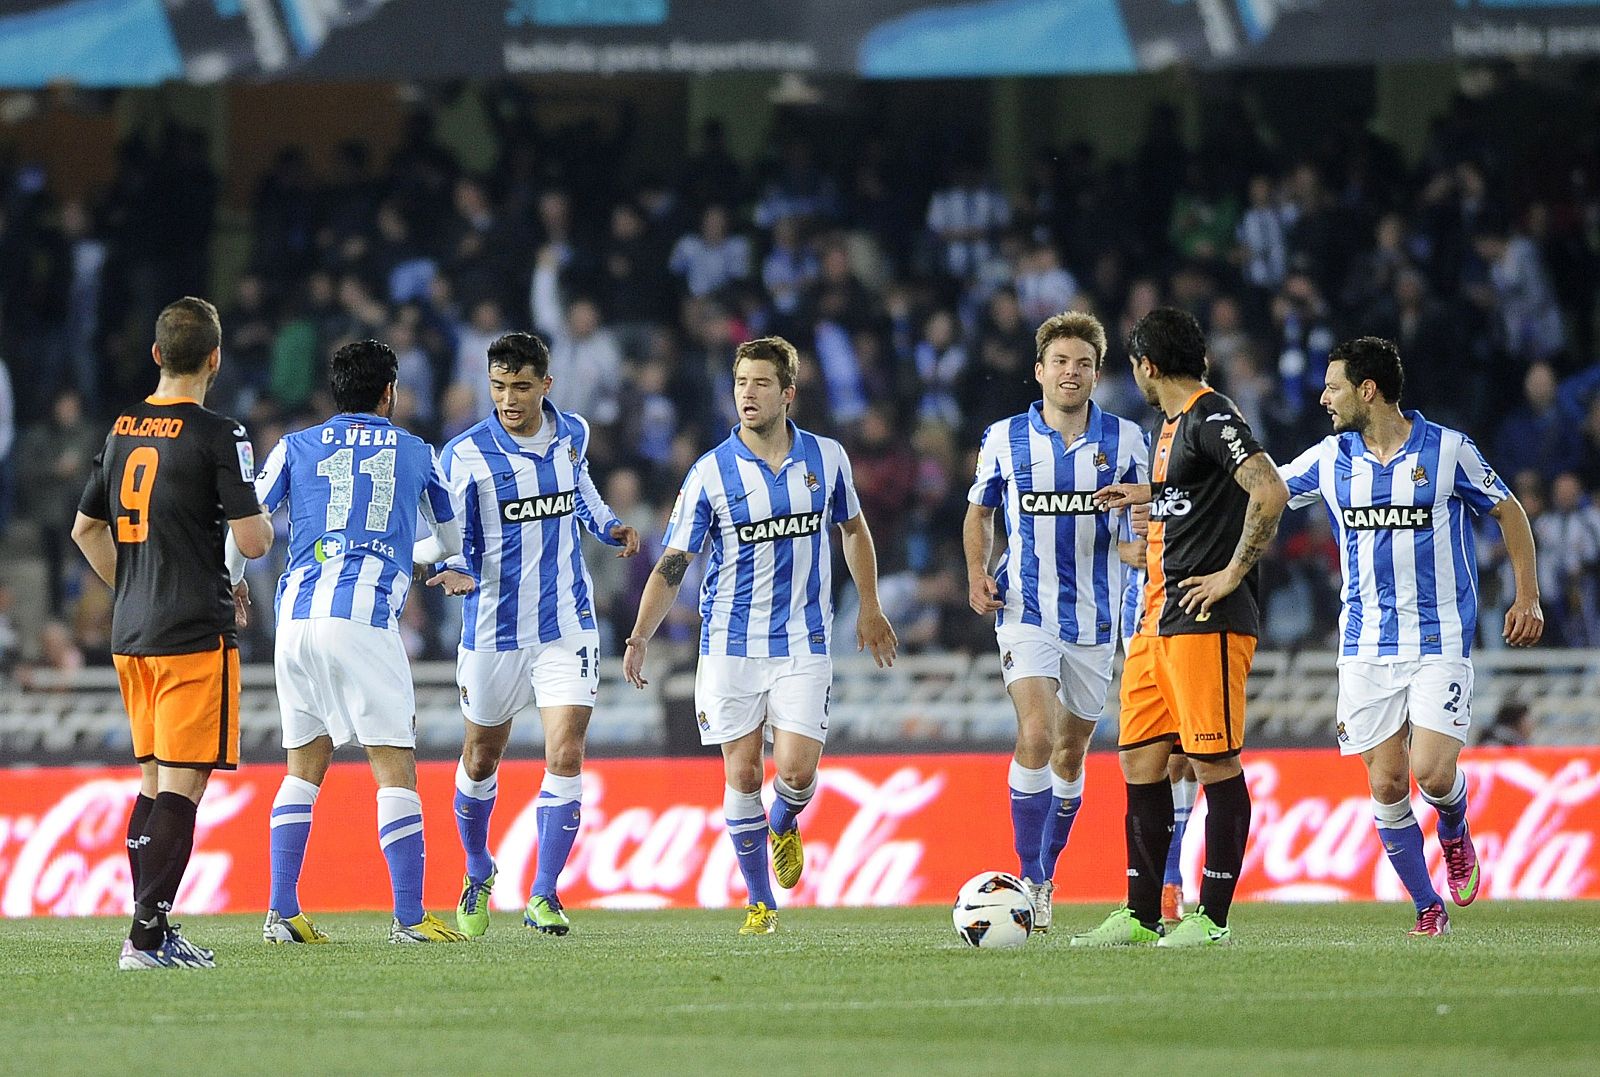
(1321, 848)
(70, 859)
(643, 858)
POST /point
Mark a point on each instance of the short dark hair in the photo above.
(360, 372)
(1173, 342)
(513, 351)
(187, 332)
(775, 350)
(1372, 359)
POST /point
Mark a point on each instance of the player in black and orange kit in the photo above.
(172, 478)
(1215, 498)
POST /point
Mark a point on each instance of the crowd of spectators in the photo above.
(909, 279)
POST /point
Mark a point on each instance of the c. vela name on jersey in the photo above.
(538, 508)
(1388, 518)
(797, 525)
(1058, 503)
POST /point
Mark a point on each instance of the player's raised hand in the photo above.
(633, 661)
(874, 633)
(629, 537)
(1122, 495)
(983, 594)
(1200, 593)
(1524, 622)
(453, 582)
(241, 604)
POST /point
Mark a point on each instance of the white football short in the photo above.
(733, 696)
(1082, 671)
(495, 685)
(344, 680)
(1376, 698)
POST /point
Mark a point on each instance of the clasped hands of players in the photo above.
(458, 583)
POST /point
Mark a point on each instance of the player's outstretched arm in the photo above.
(99, 548)
(873, 630)
(1525, 619)
(1123, 495)
(977, 539)
(1259, 477)
(660, 591)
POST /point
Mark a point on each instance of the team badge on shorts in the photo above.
(1344, 738)
(1419, 475)
(1101, 463)
(1005, 661)
(464, 699)
(705, 723)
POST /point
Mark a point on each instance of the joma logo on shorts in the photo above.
(798, 525)
(1059, 503)
(1208, 736)
(538, 508)
(1389, 518)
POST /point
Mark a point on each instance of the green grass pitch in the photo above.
(1330, 989)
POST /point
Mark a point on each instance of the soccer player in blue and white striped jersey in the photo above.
(1057, 592)
(1401, 492)
(355, 486)
(765, 501)
(528, 633)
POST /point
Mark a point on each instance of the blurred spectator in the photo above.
(965, 220)
(1539, 435)
(1263, 237)
(10, 641)
(1512, 726)
(53, 462)
(712, 257)
(1519, 295)
(1568, 535)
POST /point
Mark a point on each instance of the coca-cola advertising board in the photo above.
(883, 830)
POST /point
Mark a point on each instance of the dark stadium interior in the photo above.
(907, 236)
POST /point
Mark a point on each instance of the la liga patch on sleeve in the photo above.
(247, 461)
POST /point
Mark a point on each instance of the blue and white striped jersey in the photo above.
(1060, 570)
(354, 485)
(768, 589)
(520, 541)
(1410, 564)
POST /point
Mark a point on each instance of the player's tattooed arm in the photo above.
(660, 591)
(1269, 496)
(672, 566)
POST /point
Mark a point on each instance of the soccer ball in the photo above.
(993, 911)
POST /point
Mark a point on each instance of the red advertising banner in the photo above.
(883, 830)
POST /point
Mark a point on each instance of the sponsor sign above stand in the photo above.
(882, 831)
(141, 42)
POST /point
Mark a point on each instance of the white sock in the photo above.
(737, 805)
(556, 790)
(1458, 790)
(294, 793)
(1028, 780)
(1064, 789)
(788, 792)
(1394, 816)
(483, 790)
(1185, 793)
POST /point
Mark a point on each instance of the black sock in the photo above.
(163, 860)
(137, 819)
(1149, 832)
(1227, 831)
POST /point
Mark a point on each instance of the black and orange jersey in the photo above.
(1197, 515)
(170, 477)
